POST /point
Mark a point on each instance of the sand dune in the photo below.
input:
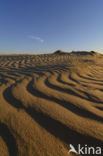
(49, 101)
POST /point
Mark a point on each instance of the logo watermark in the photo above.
(85, 149)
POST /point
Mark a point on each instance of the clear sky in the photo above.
(38, 26)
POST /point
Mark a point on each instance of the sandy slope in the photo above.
(50, 101)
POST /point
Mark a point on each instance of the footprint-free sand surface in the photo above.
(49, 101)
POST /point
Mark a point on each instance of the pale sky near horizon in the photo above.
(43, 26)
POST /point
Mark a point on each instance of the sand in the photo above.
(50, 101)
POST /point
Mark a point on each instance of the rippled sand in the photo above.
(50, 101)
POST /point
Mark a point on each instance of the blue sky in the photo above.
(43, 26)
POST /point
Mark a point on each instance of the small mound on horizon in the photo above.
(60, 52)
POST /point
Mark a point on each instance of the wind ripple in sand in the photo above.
(48, 102)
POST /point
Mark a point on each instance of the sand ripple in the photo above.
(50, 101)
